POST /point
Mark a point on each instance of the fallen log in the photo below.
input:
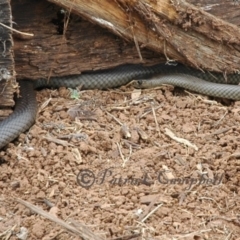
(68, 38)
(177, 29)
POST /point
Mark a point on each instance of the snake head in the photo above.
(137, 83)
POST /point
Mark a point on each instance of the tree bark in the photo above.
(149, 31)
(6, 58)
(65, 45)
(177, 29)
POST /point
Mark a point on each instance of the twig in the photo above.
(153, 211)
(169, 133)
(115, 118)
(136, 44)
(58, 141)
(155, 119)
(8, 233)
(148, 209)
(147, 112)
(82, 231)
(122, 156)
(14, 30)
(216, 124)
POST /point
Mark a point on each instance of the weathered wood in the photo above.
(226, 10)
(6, 57)
(84, 46)
(176, 28)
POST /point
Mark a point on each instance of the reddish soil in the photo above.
(148, 185)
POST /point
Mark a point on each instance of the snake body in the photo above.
(23, 116)
(197, 85)
(25, 110)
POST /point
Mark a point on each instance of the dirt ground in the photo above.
(156, 164)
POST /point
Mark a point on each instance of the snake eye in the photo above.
(139, 82)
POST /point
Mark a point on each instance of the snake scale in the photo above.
(24, 114)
